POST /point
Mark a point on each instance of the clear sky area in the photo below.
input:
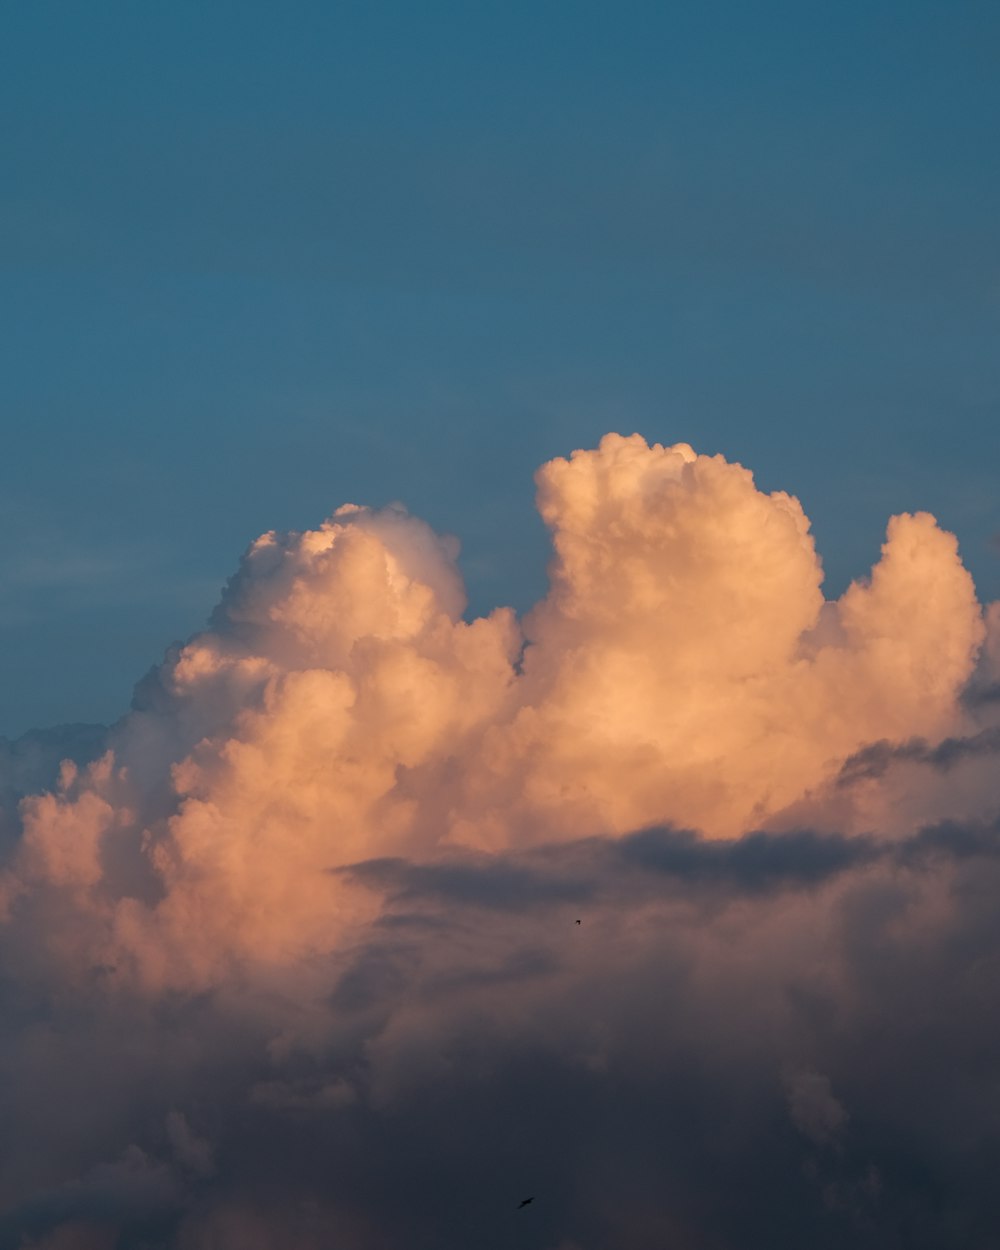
(260, 260)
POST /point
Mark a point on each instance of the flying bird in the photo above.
(524, 1202)
(578, 922)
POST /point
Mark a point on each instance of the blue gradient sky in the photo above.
(257, 260)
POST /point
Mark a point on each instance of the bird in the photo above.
(578, 922)
(524, 1202)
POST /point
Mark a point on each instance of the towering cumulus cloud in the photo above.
(292, 961)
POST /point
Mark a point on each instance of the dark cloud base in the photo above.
(777, 1042)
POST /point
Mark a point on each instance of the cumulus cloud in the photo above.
(291, 956)
(32, 763)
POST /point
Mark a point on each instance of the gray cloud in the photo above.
(768, 1043)
(873, 761)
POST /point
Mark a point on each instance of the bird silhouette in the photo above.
(524, 1202)
(578, 922)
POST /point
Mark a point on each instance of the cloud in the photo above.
(813, 1108)
(291, 952)
(191, 1151)
(32, 763)
(696, 1034)
(132, 1188)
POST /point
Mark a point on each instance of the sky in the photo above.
(501, 627)
(258, 263)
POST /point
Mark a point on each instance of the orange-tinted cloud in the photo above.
(291, 956)
(684, 667)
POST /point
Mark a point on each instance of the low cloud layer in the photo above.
(291, 954)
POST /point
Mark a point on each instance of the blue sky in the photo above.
(257, 260)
